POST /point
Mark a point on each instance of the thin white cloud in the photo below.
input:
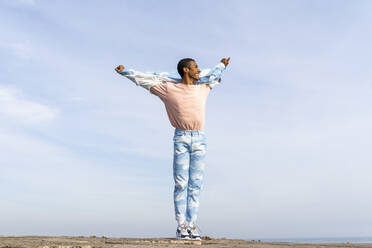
(14, 105)
(77, 98)
(144, 151)
(22, 49)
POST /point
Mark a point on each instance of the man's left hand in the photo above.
(225, 61)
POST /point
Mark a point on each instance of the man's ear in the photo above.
(185, 69)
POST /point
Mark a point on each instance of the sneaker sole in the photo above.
(183, 238)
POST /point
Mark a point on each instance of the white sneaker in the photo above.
(182, 233)
(193, 232)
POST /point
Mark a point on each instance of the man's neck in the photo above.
(187, 80)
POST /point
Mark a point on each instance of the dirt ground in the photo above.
(104, 242)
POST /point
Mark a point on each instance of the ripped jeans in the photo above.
(188, 169)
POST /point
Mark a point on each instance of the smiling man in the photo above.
(185, 101)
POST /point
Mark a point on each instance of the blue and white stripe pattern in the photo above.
(148, 79)
(190, 148)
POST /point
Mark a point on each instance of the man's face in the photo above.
(193, 71)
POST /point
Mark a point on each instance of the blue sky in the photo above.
(86, 152)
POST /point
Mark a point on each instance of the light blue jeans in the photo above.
(188, 170)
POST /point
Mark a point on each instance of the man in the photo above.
(184, 100)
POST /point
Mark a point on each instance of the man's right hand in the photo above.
(120, 68)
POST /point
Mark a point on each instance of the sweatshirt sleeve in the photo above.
(211, 77)
(147, 79)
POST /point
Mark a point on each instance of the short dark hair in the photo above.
(183, 63)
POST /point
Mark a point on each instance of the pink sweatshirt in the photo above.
(185, 104)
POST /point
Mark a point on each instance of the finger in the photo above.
(228, 59)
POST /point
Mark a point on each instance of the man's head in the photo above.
(188, 67)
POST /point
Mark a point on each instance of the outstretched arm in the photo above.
(207, 76)
(145, 80)
(213, 76)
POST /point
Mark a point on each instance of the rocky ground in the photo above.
(104, 242)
